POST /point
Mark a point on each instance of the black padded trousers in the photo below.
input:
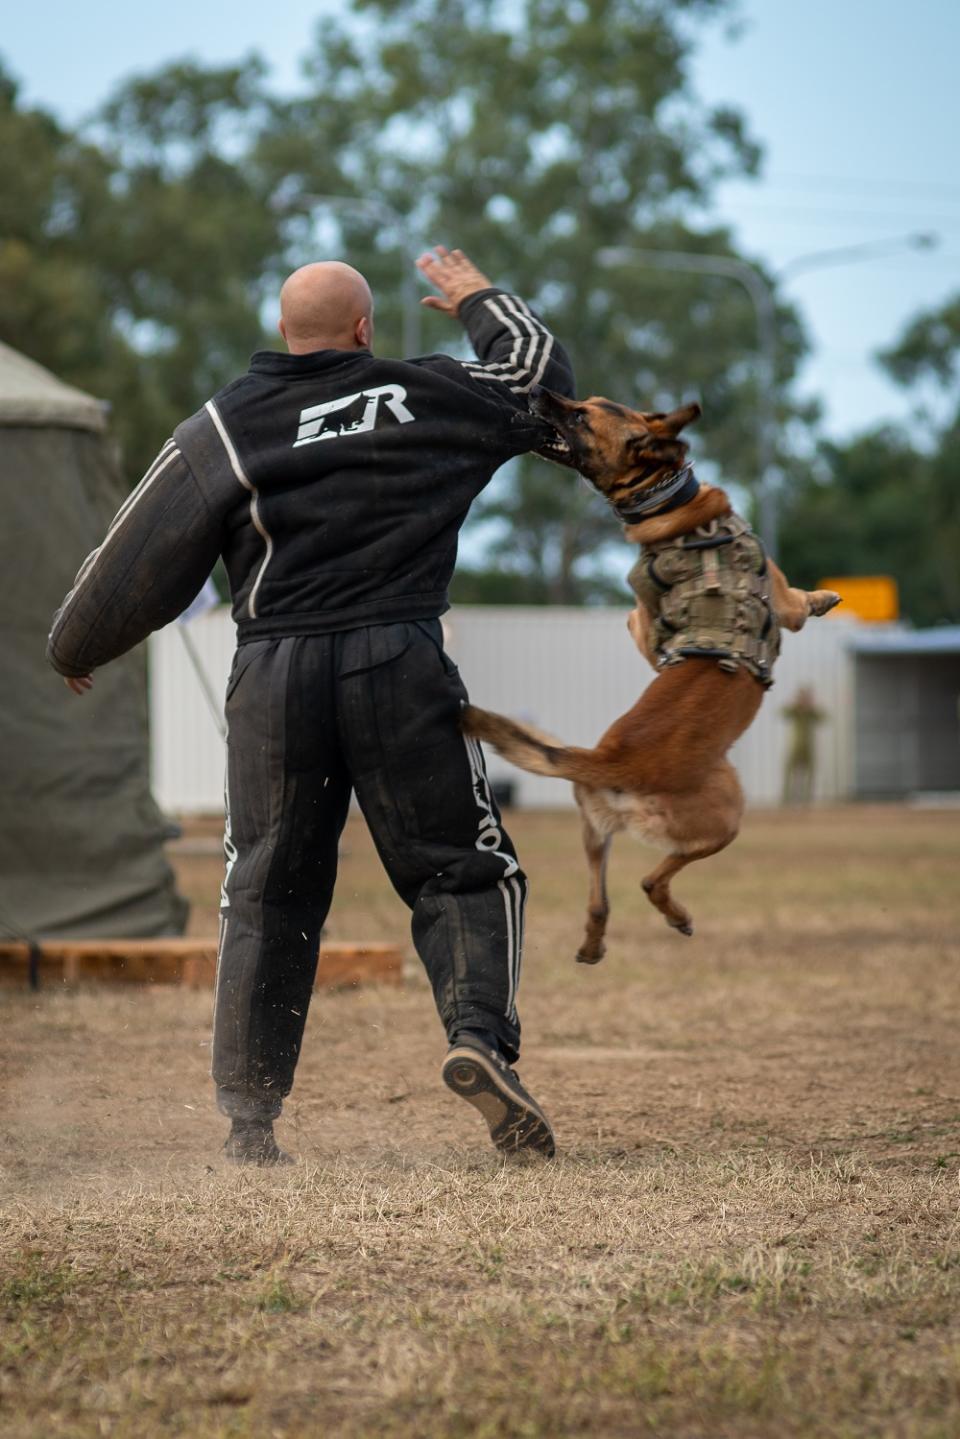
(310, 718)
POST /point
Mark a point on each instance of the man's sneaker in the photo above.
(251, 1141)
(483, 1078)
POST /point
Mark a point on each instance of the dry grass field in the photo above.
(751, 1228)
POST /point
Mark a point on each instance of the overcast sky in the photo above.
(855, 101)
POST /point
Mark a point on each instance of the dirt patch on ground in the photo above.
(751, 1228)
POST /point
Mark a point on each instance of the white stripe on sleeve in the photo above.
(254, 493)
(519, 375)
(163, 460)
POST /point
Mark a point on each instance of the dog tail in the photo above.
(531, 749)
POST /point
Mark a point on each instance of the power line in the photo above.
(817, 214)
(945, 189)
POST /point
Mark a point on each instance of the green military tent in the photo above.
(81, 838)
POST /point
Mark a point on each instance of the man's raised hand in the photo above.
(455, 277)
(79, 684)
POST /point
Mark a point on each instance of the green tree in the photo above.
(928, 349)
(134, 261)
(864, 509)
(193, 246)
(55, 188)
(888, 501)
(142, 254)
(927, 357)
(534, 136)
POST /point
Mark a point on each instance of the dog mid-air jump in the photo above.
(709, 609)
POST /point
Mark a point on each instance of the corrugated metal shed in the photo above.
(571, 671)
(906, 718)
(898, 640)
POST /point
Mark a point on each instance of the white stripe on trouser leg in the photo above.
(518, 890)
(514, 893)
(230, 859)
(521, 898)
(224, 926)
(514, 901)
(504, 889)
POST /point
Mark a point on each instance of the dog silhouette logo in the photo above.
(358, 413)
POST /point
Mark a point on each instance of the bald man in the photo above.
(326, 306)
(334, 484)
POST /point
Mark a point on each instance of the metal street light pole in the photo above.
(849, 254)
(383, 211)
(764, 304)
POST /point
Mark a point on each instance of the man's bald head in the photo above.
(326, 306)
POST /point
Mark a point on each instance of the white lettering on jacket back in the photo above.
(313, 420)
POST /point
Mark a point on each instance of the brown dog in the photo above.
(708, 614)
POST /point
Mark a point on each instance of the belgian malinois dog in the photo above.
(709, 607)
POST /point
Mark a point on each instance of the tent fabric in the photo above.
(30, 395)
(81, 837)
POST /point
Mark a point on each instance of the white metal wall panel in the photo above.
(570, 671)
(573, 671)
(186, 749)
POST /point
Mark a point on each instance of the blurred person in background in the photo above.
(799, 770)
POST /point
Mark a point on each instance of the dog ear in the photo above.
(655, 448)
(678, 419)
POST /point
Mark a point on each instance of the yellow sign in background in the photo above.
(871, 598)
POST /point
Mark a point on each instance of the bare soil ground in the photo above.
(751, 1229)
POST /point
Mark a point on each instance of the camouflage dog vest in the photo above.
(709, 595)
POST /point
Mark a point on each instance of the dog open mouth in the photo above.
(556, 449)
(548, 409)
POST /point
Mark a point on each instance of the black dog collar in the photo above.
(674, 490)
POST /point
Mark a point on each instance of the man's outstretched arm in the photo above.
(158, 551)
(515, 350)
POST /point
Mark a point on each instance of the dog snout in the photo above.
(536, 396)
(544, 402)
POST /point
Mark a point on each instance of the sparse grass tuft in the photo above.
(37, 1286)
(278, 1297)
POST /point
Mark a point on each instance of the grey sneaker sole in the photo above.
(516, 1122)
(260, 1150)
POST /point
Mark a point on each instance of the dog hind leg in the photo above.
(656, 885)
(698, 824)
(597, 846)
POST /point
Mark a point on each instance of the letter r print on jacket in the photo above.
(313, 424)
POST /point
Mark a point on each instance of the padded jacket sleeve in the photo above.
(153, 561)
(515, 350)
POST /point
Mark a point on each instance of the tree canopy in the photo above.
(140, 256)
(538, 136)
(888, 502)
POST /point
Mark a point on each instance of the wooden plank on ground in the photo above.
(181, 961)
(346, 964)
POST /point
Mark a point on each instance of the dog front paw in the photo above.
(822, 601)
